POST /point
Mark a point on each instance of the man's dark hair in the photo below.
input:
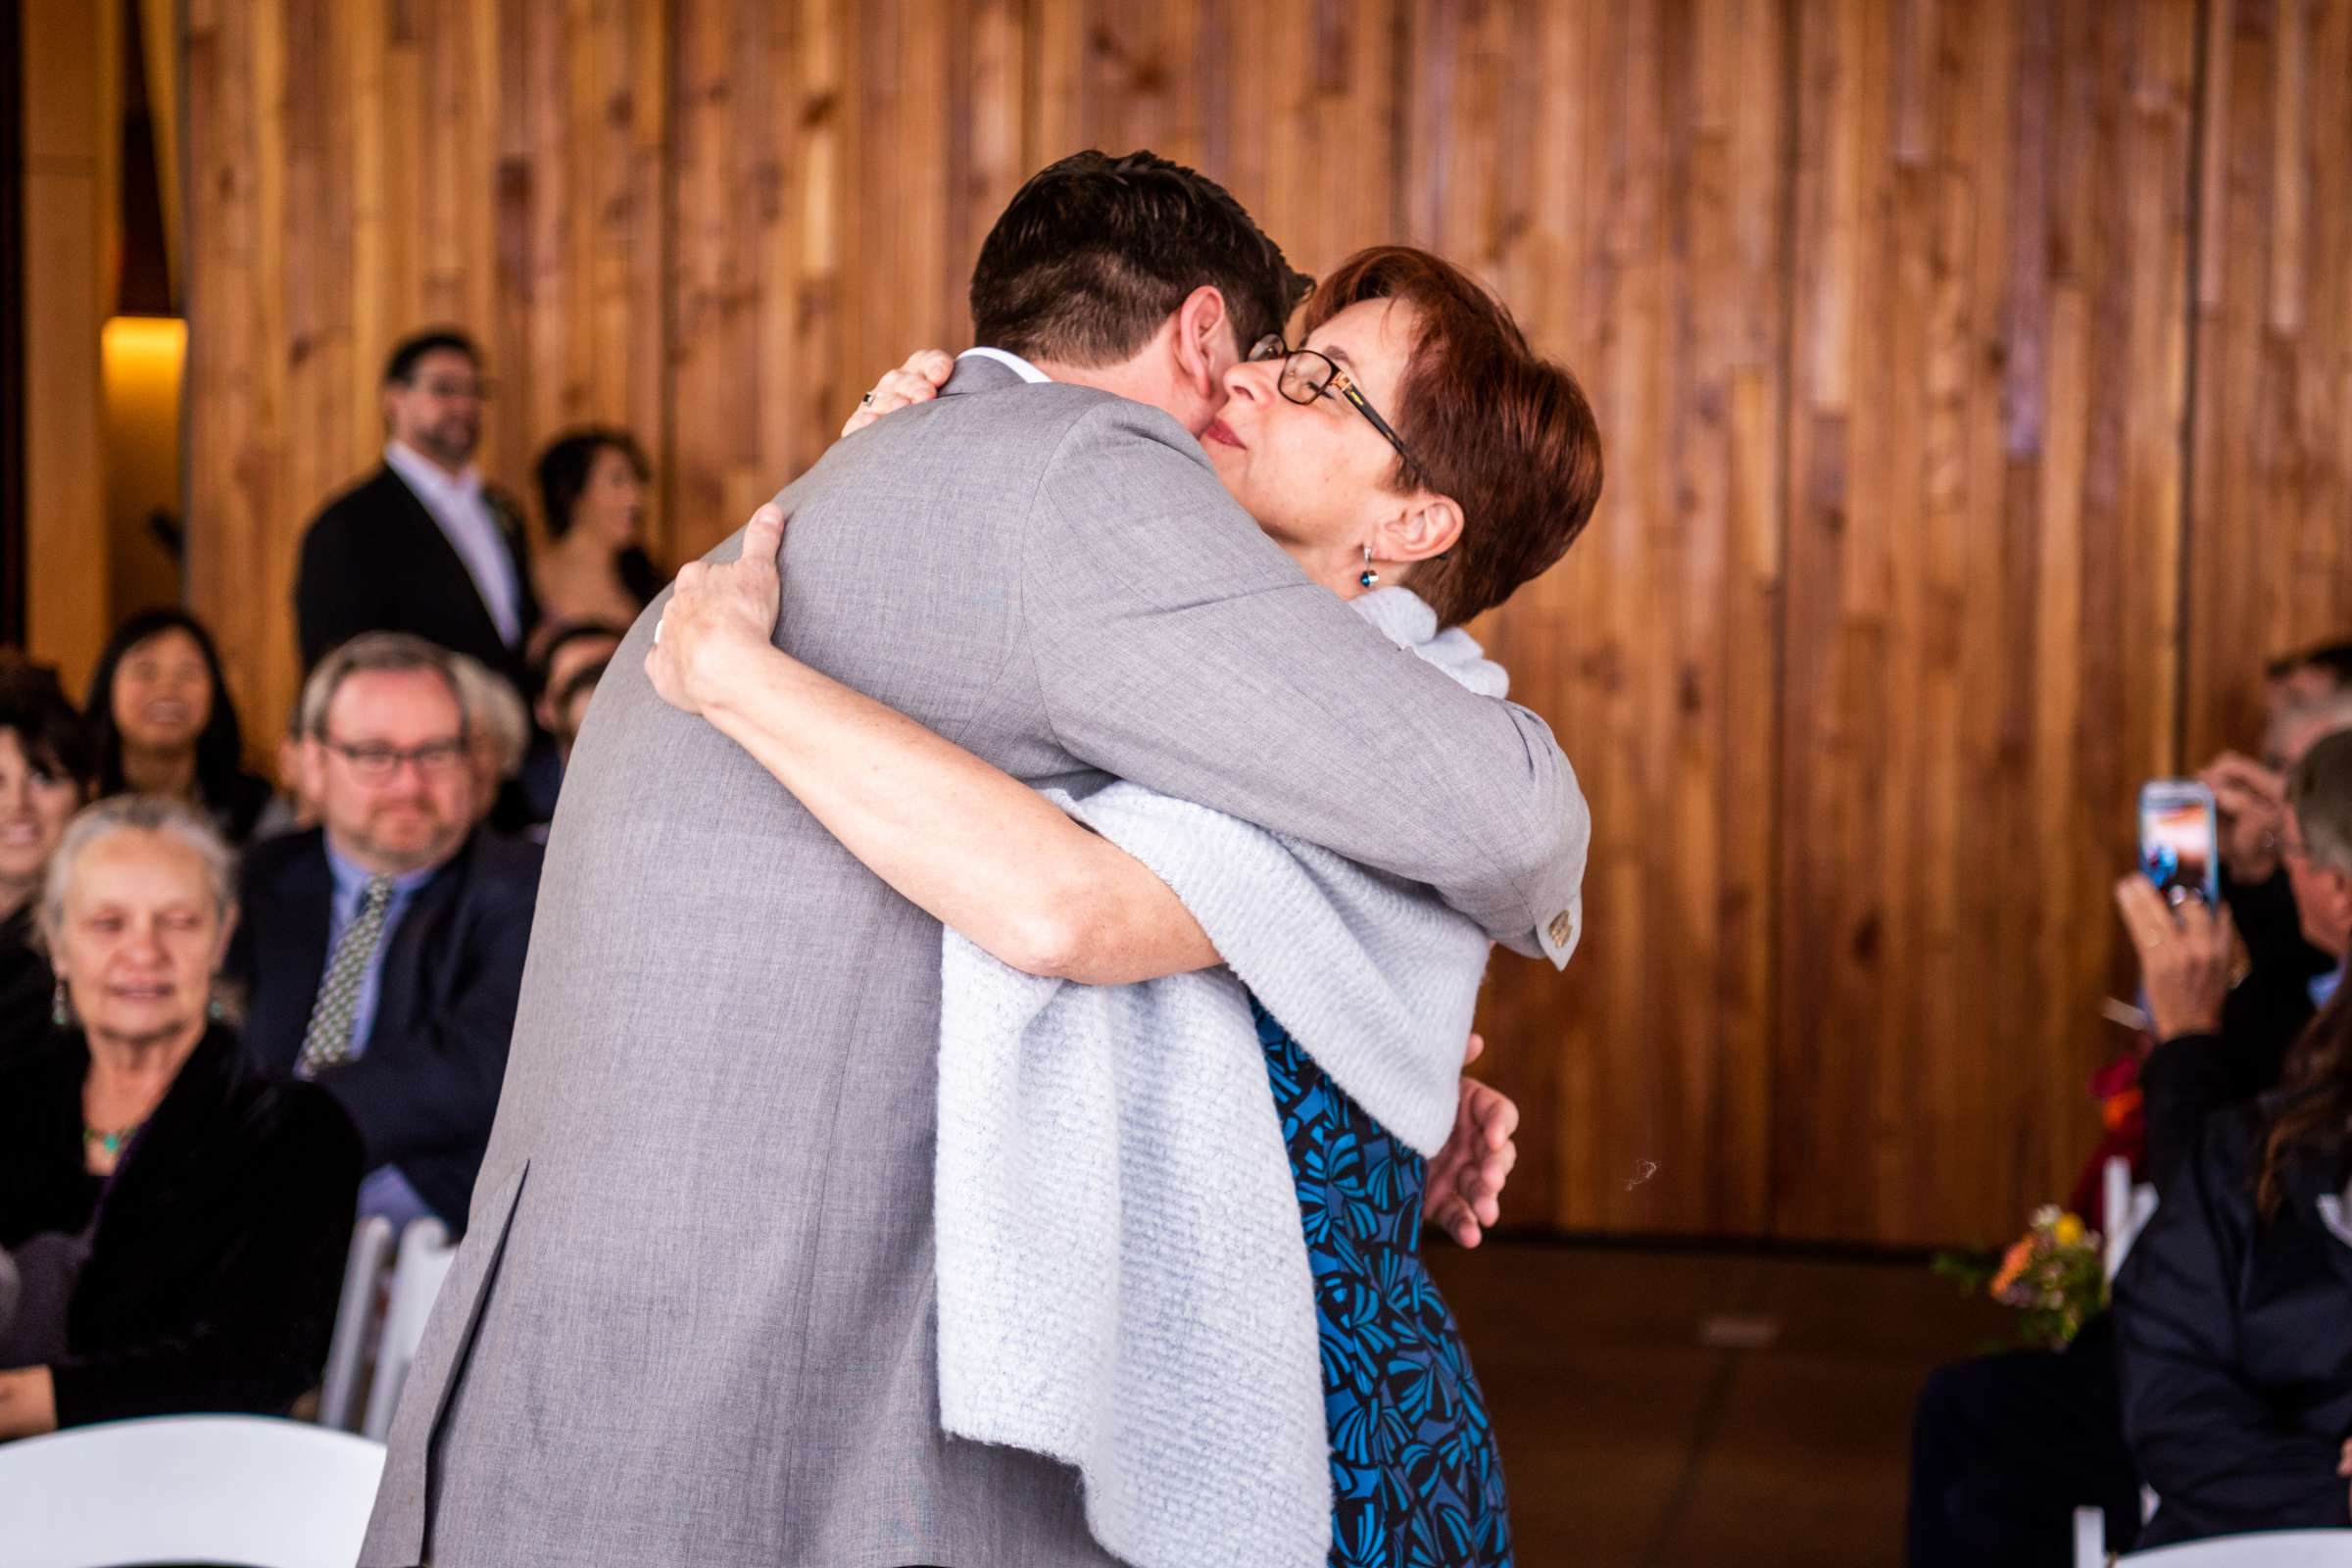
(404, 355)
(2333, 658)
(1095, 252)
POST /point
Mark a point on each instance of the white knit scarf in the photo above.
(1123, 1279)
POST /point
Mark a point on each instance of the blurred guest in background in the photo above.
(2231, 1310)
(572, 662)
(177, 1222)
(2307, 675)
(289, 811)
(422, 545)
(2005, 1446)
(592, 492)
(46, 773)
(2252, 798)
(160, 715)
(497, 728)
(381, 953)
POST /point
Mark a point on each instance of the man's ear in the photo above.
(1203, 327)
(1427, 524)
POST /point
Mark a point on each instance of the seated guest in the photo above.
(45, 776)
(176, 1221)
(2235, 1051)
(574, 663)
(2307, 675)
(2231, 1310)
(2004, 1447)
(289, 811)
(381, 953)
(421, 545)
(161, 717)
(592, 486)
(2252, 798)
(499, 732)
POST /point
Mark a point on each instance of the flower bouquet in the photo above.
(2053, 1275)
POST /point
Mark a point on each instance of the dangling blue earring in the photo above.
(1368, 577)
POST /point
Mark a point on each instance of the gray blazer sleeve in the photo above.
(1178, 647)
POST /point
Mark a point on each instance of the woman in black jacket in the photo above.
(2233, 1312)
(177, 1222)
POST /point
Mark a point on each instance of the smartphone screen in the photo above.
(2180, 841)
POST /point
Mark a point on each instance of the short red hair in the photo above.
(1503, 431)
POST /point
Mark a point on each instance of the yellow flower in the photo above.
(2068, 1231)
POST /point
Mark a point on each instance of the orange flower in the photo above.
(2117, 1109)
(2021, 1253)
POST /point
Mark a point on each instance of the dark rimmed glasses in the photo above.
(374, 762)
(1307, 374)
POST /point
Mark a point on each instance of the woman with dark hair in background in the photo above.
(161, 720)
(592, 487)
(46, 772)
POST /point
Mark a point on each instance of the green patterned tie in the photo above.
(327, 1040)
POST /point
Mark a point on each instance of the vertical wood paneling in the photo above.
(1883, 305)
(70, 193)
(1618, 174)
(2271, 544)
(1984, 521)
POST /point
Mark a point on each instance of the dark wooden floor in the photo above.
(1661, 1409)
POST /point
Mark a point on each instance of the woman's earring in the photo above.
(60, 1014)
(1368, 577)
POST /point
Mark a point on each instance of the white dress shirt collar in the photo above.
(1012, 362)
(432, 484)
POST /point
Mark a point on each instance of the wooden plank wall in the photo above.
(2271, 467)
(1982, 568)
(1639, 228)
(71, 189)
(1930, 368)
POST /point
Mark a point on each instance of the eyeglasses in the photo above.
(1307, 374)
(456, 391)
(374, 763)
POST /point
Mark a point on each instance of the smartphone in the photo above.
(2179, 840)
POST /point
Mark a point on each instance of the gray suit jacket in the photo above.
(692, 1321)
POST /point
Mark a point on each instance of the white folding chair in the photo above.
(2128, 1209)
(425, 1254)
(355, 1322)
(247, 1490)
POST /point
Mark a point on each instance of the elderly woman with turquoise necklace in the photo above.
(174, 1222)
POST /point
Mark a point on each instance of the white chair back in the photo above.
(425, 1254)
(2128, 1208)
(355, 1323)
(246, 1490)
(2090, 1538)
(2269, 1548)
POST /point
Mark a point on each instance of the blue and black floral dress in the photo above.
(1413, 1466)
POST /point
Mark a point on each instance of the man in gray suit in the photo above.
(692, 1321)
